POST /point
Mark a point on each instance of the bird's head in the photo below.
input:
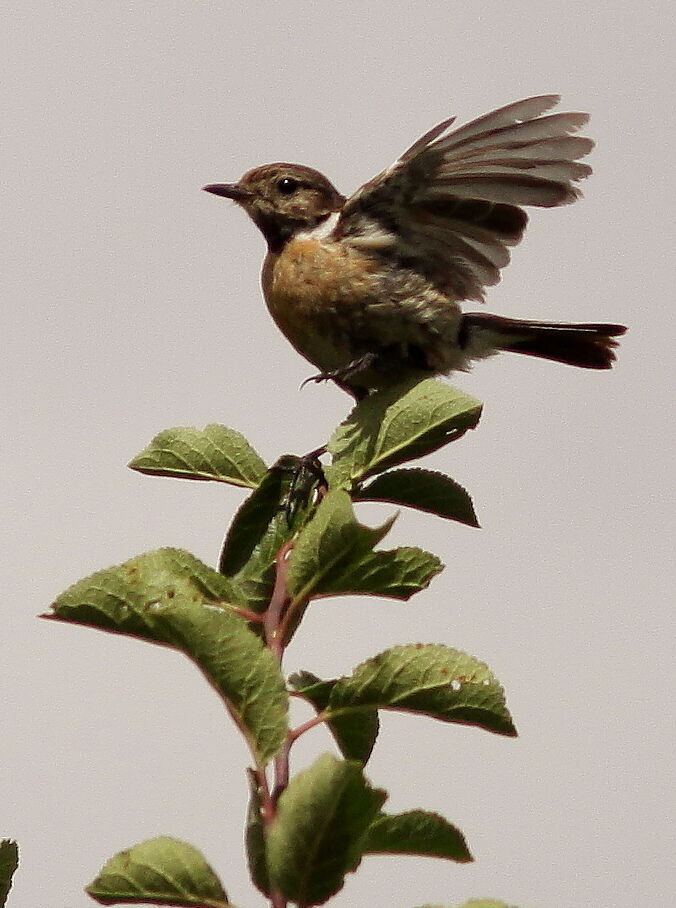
(282, 199)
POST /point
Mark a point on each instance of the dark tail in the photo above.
(590, 346)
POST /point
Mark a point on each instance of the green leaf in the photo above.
(171, 598)
(396, 573)
(483, 903)
(260, 528)
(121, 599)
(328, 546)
(316, 836)
(242, 670)
(253, 520)
(424, 490)
(431, 679)
(401, 423)
(417, 832)
(215, 452)
(9, 861)
(255, 838)
(162, 871)
(355, 734)
(473, 903)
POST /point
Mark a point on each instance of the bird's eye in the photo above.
(287, 185)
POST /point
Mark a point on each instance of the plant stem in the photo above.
(279, 602)
(306, 726)
(274, 617)
(281, 770)
(272, 624)
(248, 615)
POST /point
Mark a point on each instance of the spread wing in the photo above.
(450, 206)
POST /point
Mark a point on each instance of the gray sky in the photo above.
(131, 303)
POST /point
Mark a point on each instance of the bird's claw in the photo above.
(341, 376)
(319, 377)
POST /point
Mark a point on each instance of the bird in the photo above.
(367, 288)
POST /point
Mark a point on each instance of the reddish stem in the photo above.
(279, 602)
(295, 733)
(267, 804)
(272, 624)
(248, 615)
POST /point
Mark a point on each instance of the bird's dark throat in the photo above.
(278, 231)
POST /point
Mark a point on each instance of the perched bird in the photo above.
(367, 287)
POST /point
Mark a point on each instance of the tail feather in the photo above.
(590, 346)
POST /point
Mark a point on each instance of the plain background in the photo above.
(131, 304)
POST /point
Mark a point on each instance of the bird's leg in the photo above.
(341, 376)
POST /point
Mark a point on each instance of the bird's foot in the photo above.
(342, 376)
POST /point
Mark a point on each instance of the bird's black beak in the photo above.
(228, 190)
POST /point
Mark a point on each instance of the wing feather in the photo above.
(547, 169)
(564, 148)
(451, 205)
(425, 140)
(508, 188)
(517, 112)
(561, 124)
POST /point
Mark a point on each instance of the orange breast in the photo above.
(317, 293)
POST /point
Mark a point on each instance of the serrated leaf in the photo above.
(119, 599)
(473, 903)
(241, 669)
(161, 871)
(213, 453)
(417, 832)
(254, 838)
(431, 679)
(355, 734)
(484, 903)
(171, 598)
(261, 526)
(396, 425)
(316, 836)
(395, 573)
(253, 520)
(425, 490)
(9, 861)
(328, 545)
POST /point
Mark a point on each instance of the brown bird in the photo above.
(367, 287)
